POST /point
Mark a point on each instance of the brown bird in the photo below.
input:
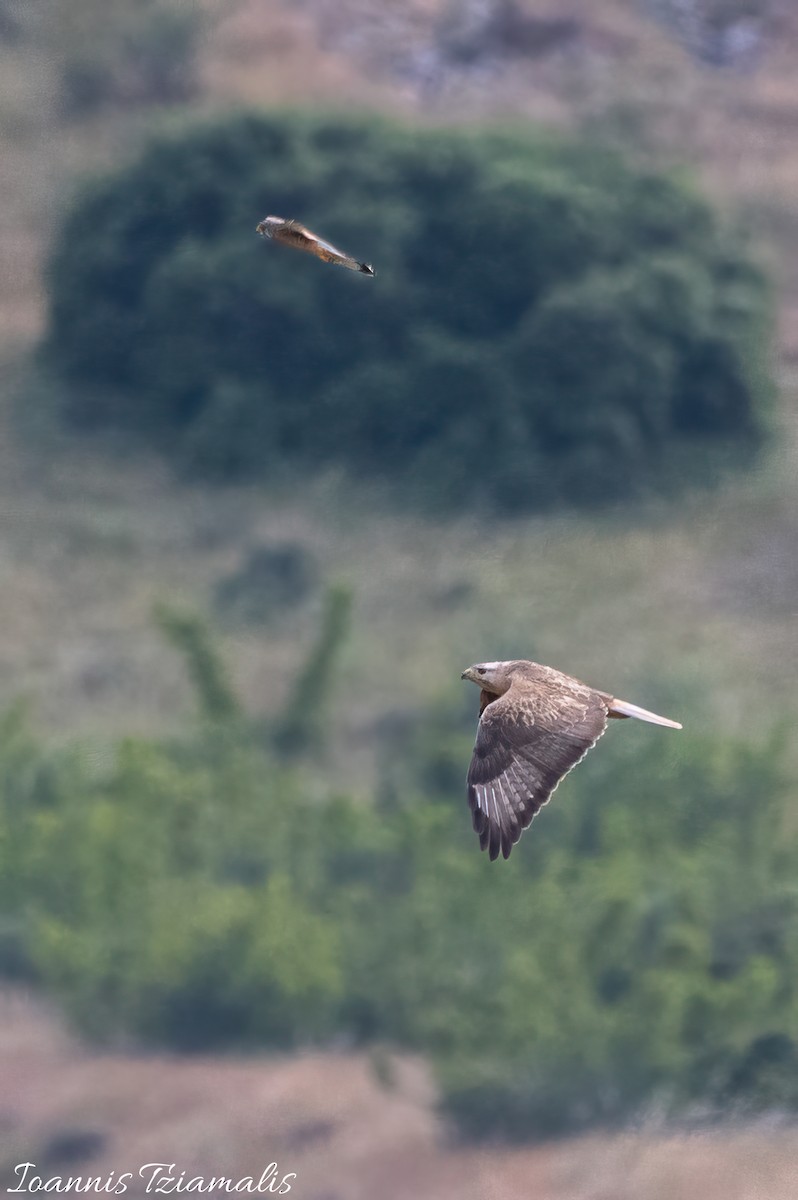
(535, 724)
(291, 233)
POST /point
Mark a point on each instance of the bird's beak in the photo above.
(468, 673)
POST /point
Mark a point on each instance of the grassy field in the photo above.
(691, 606)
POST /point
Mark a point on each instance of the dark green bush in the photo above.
(545, 325)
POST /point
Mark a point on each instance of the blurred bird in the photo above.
(291, 233)
(535, 724)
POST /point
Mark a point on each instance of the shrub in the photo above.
(640, 947)
(546, 324)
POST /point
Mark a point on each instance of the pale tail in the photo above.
(622, 708)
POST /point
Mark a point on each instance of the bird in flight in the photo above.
(535, 724)
(291, 233)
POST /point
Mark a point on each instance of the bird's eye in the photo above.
(480, 670)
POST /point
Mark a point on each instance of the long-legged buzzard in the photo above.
(291, 233)
(535, 724)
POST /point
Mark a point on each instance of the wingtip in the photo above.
(367, 269)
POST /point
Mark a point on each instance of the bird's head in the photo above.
(493, 677)
(267, 226)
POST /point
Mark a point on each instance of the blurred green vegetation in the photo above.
(640, 947)
(547, 324)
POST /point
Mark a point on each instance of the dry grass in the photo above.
(325, 1117)
(696, 600)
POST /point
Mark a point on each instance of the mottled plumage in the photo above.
(291, 233)
(535, 725)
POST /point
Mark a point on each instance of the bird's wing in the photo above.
(312, 242)
(301, 237)
(291, 233)
(327, 247)
(522, 752)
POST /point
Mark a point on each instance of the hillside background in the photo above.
(86, 649)
(687, 603)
